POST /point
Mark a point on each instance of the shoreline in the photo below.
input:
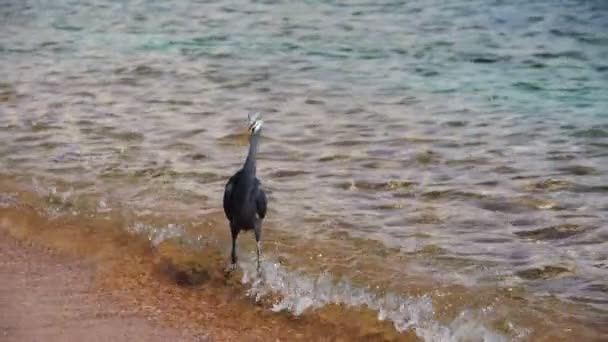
(178, 285)
(106, 284)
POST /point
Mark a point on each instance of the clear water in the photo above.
(460, 143)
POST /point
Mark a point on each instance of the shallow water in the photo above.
(453, 152)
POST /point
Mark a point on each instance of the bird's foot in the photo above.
(231, 268)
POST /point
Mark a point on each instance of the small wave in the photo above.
(299, 293)
(571, 54)
(373, 186)
(8, 92)
(7, 200)
(141, 70)
(56, 198)
(287, 173)
(528, 86)
(562, 231)
(579, 170)
(487, 58)
(594, 132)
(550, 184)
(543, 272)
(156, 234)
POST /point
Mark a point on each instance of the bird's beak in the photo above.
(255, 122)
(255, 126)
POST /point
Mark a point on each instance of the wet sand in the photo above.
(45, 296)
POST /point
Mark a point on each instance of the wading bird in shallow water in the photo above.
(244, 198)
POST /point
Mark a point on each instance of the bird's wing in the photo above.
(227, 196)
(260, 200)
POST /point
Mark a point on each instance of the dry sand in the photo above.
(49, 297)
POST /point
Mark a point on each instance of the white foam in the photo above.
(299, 293)
(157, 234)
(7, 200)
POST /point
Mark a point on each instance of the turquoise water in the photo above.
(512, 57)
(460, 142)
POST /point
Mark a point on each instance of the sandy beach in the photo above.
(45, 296)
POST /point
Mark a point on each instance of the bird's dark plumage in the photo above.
(244, 197)
(260, 201)
(232, 205)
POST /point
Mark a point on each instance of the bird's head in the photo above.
(255, 123)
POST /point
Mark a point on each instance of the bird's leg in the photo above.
(258, 244)
(233, 257)
(258, 247)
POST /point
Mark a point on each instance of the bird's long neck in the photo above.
(251, 157)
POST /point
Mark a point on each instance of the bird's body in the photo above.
(244, 197)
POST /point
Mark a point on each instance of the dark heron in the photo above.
(244, 198)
